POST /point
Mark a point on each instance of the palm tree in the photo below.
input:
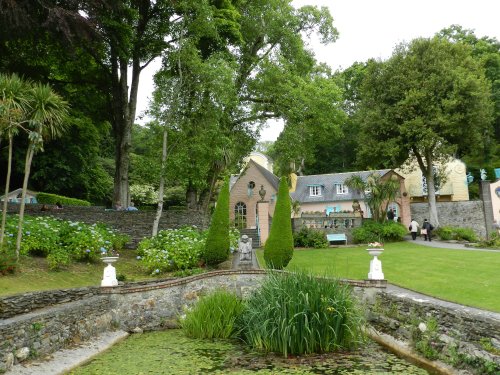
(13, 108)
(376, 191)
(46, 117)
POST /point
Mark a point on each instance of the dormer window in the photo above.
(315, 190)
(341, 189)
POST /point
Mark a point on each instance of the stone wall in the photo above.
(146, 305)
(157, 304)
(18, 304)
(405, 316)
(468, 214)
(137, 224)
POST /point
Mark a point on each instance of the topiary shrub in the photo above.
(46, 198)
(372, 231)
(217, 245)
(278, 250)
(307, 237)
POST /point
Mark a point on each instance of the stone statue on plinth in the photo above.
(245, 248)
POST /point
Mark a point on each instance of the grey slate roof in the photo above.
(328, 181)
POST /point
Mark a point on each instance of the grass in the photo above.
(466, 277)
(34, 274)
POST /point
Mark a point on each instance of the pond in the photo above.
(171, 352)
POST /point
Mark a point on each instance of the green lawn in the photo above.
(468, 277)
(34, 274)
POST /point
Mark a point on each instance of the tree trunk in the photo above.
(7, 187)
(124, 107)
(191, 197)
(27, 169)
(159, 208)
(431, 195)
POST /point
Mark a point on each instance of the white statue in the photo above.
(483, 174)
(245, 248)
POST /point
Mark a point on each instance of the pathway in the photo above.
(448, 245)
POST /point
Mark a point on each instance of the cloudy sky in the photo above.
(371, 29)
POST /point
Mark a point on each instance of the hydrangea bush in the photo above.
(64, 241)
(177, 249)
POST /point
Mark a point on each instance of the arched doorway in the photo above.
(240, 215)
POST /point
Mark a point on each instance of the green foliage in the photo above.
(46, 198)
(214, 316)
(447, 233)
(296, 313)
(143, 194)
(278, 250)
(62, 241)
(493, 241)
(178, 250)
(372, 231)
(172, 249)
(8, 263)
(217, 245)
(308, 237)
(427, 341)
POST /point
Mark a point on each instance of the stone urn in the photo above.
(262, 192)
(109, 275)
(375, 264)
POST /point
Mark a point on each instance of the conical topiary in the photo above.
(217, 245)
(278, 250)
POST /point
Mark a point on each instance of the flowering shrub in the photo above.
(177, 249)
(172, 249)
(63, 241)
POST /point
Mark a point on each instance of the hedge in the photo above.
(46, 198)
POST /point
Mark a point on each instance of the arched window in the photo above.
(240, 215)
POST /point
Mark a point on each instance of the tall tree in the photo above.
(13, 109)
(45, 119)
(119, 37)
(428, 99)
(486, 51)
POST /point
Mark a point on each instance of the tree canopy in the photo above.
(429, 99)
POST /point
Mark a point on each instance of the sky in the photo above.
(371, 29)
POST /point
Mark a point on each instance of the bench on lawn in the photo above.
(336, 237)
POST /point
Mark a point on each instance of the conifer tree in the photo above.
(278, 250)
(217, 245)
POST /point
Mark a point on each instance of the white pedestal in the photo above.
(109, 276)
(375, 265)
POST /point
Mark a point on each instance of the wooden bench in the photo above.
(336, 237)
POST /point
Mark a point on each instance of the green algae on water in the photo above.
(171, 352)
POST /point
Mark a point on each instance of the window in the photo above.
(240, 215)
(315, 191)
(341, 189)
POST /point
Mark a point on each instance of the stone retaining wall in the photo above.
(460, 329)
(137, 224)
(157, 305)
(468, 214)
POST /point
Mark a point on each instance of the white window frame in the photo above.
(341, 189)
(315, 191)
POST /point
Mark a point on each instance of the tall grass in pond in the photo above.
(214, 316)
(297, 313)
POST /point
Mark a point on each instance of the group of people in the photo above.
(426, 229)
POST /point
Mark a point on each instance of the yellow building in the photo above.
(455, 187)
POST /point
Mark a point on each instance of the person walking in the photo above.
(427, 228)
(390, 215)
(413, 229)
